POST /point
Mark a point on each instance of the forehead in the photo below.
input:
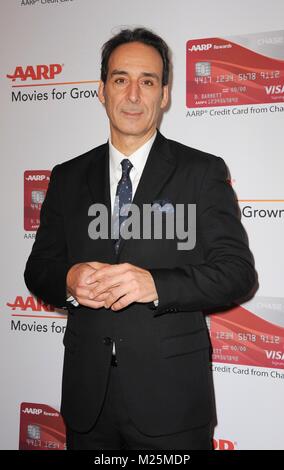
(136, 56)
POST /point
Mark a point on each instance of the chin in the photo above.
(133, 130)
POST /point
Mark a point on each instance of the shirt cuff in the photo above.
(72, 301)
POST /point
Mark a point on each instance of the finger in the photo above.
(98, 298)
(93, 277)
(123, 302)
(81, 292)
(108, 283)
(109, 270)
(97, 265)
(90, 303)
(115, 294)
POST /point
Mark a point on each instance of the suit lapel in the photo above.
(157, 171)
(99, 186)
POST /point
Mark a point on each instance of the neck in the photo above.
(128, 144)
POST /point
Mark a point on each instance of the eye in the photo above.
(120, 80)
(148, 82)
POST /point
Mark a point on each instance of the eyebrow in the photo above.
(144, 74)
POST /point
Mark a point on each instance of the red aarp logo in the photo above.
(35, 72)
(223, 444)
(30, 303)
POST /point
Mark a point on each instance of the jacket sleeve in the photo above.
(227, 274)
(47, 267)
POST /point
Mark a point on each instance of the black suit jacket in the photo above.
(163, 353)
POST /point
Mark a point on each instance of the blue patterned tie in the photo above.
(123, 196)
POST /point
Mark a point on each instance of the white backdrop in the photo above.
(37, 133)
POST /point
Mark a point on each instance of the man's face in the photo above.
(133, 93)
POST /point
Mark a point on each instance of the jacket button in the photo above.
(107, 340)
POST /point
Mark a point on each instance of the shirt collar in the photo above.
(137, 158)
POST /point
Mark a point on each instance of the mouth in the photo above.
(132, 114)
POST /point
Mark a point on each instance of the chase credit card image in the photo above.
(237, 70)
(252, 335)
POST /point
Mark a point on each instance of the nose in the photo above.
(134, 92)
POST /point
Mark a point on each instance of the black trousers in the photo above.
(114, 429)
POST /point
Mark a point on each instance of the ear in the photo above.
(101, 92)
(165, 96)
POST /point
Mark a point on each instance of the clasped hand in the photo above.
(114, 286)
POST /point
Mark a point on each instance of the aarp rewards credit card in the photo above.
(35, 187)
(41, 428)
(247, 69)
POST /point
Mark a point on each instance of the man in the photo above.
(136, 367)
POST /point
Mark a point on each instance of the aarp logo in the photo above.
(29, 303)
(32, 411)
(224, 444)
(200, 47)
(36, 72)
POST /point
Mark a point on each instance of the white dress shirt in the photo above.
(138, 160)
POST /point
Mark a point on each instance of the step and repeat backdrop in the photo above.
(227, 99)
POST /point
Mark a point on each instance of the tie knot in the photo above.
(126, 166)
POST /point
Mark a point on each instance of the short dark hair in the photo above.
(143, 35)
